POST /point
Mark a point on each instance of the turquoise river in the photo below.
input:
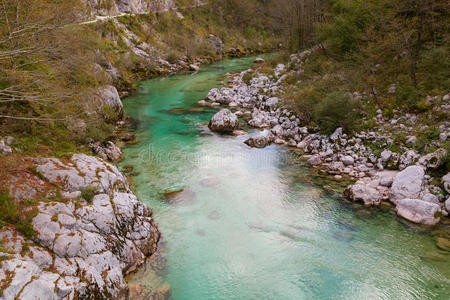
(250, 223)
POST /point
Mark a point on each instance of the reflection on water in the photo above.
(242, 223)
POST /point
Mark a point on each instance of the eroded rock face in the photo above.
(83, 246)
(83, 171)
(418, 211)
(114, 7)
(433, 160)
(407, 184)
(224, 121)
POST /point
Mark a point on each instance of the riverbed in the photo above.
(252, 223)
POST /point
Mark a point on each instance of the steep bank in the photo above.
(62, 97)
(75, 230)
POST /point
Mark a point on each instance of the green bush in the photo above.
(303, 101)
(337, 110)
(172, 57)
(89, 193)
(247, 77)
(344, 32)
(19, 214)
(407, 97)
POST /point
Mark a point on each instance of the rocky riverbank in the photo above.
(84, 231)
(405, 178)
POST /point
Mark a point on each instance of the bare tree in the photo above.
(296, 20)
(36, 45)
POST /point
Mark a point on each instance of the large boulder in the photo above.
(407, 184)
(418, 211)
(109, 97)
(433, 160)
(259, 141)
(348, 160)
(408, 158)
(224, 121)
(259, 119)
(336, 134)
(107, 150)
(364, 193)
(446, 182)
(272, 101)
(315, 160)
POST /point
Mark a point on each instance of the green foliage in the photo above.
(303, 101)
(172, 57)
(336, 110)
(247, 77)
(344, 33)
(435, 66)
(89, 193)
(19, 214)
(407, 96)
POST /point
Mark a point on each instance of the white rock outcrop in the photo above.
(84, 243)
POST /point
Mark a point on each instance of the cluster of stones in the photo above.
(337, 154)
(82, 247)
(5, 145)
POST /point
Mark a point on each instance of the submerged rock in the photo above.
(224, 122)
(210, 181)
(180, 197)
(214, 215)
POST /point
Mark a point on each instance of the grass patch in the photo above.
(89, 193)
(20, 214)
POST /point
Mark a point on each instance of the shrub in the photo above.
(89, 193)
(247, 77)
(337, 110)
(407, 96)
(19, 214)
(172, 57)
(303, 102)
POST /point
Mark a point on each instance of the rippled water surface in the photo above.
(250, 225)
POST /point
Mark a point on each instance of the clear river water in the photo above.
(252, 223)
